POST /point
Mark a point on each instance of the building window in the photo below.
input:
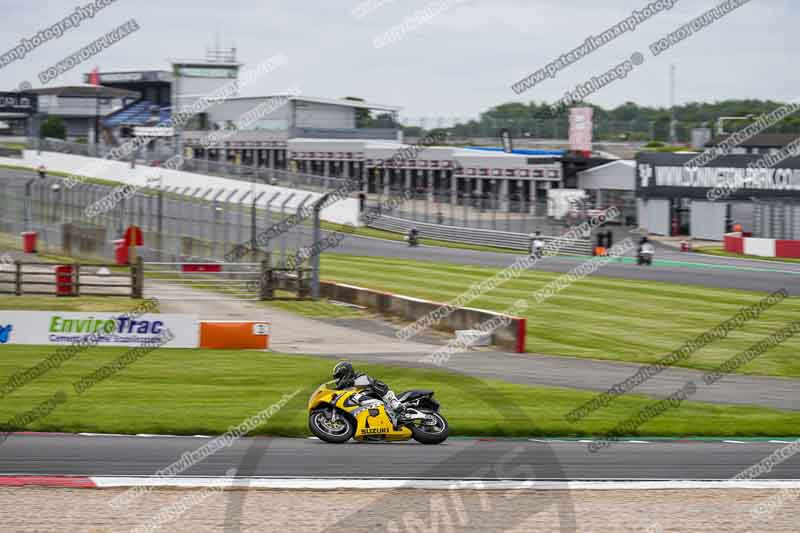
(271, 124)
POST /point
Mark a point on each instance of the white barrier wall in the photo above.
(761, 247)
(342, 212)
(112, 329)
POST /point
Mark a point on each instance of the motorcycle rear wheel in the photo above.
(319, 422)
(425, 435)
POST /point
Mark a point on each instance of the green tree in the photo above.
(54, 128)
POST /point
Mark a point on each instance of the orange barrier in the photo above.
(234, 335)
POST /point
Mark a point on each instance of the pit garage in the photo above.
(706, 202)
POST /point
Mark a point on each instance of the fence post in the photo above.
(262, 280)
(18, 278)
(134, 281)
(76, 280)
(302, 292)
(254, 229)
(137, 278)
(317, 232)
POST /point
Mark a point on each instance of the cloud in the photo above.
(459, 64)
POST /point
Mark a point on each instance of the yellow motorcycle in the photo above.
(337, 415)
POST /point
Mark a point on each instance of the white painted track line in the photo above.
(434, 484)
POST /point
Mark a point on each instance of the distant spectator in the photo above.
(42, 171)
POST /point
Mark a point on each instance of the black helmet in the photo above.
(343, 371)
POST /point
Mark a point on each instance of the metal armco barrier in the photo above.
(483, 237)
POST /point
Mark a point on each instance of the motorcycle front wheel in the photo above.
(434, 433)
(335, 432)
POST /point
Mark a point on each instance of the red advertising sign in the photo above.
(197, 267)
(133, 236)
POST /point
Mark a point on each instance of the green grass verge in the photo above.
(188, 392)
(598, 317)
(89, 304)
(720, 252)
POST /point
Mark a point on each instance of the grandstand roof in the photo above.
(320, 100)
(349, 103)
(85, 91)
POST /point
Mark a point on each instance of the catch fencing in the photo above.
(176, 228)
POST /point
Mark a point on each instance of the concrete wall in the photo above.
(511, 337)
(342, 212)
(707, 220)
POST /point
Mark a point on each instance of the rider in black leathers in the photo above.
(346, 377)
(413, 237)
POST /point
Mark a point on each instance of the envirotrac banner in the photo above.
(104, 329)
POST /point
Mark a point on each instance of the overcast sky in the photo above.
(458, 64)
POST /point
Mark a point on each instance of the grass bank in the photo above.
(598, 317)
(174, 391)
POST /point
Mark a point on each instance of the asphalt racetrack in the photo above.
(670, 266)
(458, 458)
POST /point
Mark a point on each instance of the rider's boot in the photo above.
(395, 408)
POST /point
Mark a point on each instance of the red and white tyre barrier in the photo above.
(741, 243)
